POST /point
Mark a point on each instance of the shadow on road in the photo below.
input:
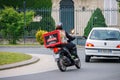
(105, 60)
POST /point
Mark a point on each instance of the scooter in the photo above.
(64, 58)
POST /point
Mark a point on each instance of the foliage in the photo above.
(9, 57)
(97, 20)
(119, 6)
(41, 8)
(29, 3)
(39, 36)
(47, 23)
(12, 23)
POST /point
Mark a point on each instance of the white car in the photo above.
(103, 42)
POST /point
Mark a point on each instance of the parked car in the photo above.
(103, 42)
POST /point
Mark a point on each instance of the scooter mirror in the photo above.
(72, 31)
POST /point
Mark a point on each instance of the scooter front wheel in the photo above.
(60, 65)
(78, 64)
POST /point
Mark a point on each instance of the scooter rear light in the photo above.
(118, 46)
(55, 50)
(89, 45)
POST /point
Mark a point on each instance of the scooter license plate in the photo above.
(56, 56)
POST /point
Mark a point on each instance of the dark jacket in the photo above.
(70, 38)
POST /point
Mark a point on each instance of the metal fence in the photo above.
(78, 17)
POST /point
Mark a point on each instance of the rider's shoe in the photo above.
(76, 59)
(73, 57)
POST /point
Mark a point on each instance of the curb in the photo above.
(21, 46)
(18, 64)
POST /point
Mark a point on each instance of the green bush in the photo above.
(29, 3)
(47, 24)
(12, 23)
(97, 20)
(39, 36)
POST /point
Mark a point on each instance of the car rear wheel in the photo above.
(119, 59)
(87, 58)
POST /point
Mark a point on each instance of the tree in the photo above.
(31, 4)
(12, 23)
(47, 24)
(41, 8)
(97, 20)
(119, 6)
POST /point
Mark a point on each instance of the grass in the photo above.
(12, 57)
(21, 45)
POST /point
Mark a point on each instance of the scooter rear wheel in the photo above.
(60, 65)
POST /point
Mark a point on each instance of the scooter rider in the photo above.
(72, 47)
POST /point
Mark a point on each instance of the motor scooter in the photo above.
(56, 40)
(64, 58)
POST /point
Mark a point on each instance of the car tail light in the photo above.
(89, 45)
(55, 50)
(118, 46)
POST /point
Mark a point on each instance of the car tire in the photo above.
(87, 58)
(119, 60)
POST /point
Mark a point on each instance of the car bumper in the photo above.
(103, 52)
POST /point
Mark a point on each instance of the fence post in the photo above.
(24, 4)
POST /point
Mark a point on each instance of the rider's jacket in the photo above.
(70, 38)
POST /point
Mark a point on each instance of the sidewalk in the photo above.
(46, 63)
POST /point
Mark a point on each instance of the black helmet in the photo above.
(59, 26)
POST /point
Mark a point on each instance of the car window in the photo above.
(105, 35)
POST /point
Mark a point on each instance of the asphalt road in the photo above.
(97, 69)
